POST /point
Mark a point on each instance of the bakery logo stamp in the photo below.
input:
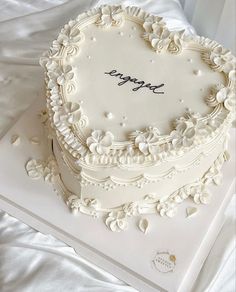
(164, 262)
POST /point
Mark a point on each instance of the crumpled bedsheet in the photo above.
(30, 260)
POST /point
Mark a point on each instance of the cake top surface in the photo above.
(120, 83)
(117, 72)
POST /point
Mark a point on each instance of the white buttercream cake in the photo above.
(138, 116)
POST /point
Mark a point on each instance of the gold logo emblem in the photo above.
(164, 262)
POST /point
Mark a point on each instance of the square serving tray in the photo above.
(132, 256)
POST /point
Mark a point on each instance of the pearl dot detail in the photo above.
(197, 72)
(109, 115)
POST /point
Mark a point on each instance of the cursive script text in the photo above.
(141, 84)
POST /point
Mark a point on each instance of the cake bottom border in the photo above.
(116, 218)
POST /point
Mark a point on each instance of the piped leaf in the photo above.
(15, 140)
(143, 225)
(190, 211)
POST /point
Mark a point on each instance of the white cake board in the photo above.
(127, 255)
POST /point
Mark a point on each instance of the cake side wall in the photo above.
(123, 186)
(162, 189)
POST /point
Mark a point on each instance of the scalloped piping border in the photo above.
(111, 182)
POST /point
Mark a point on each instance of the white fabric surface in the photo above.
(223, 17)
(29, 260)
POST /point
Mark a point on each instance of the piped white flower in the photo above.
(111, 16)
(50, 170)
(183, 135)
(67, 114)
(176, 42)
(116, 221)
(131, 209)
(151, 22)
(35, 168)
(70, 38)
(55, 48)
(100, 142)
(222, 60)
(65, 74)
(167, 208)
(161, 38)
(74, 203)
(187, 131)
(227, 97)
(70, 35)
(87, 206)
(92, 203)
(201, 195)
(53, 71)
(222, 94)
(146, 141)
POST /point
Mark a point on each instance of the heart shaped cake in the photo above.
(138, 115)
